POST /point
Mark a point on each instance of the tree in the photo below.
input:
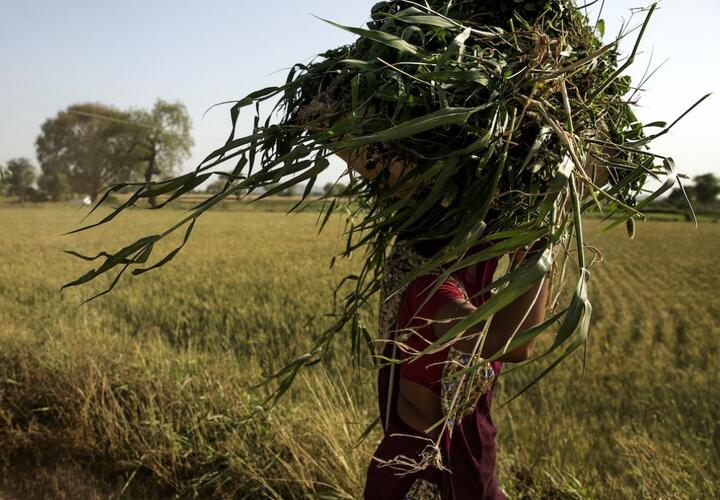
(55, 185)
(334, 188)
(19, 178)
(676, 197)
(86, 146)
(160, 139)
(90, 146)
(288, 192)
(707, 188)
(705, 191)
(216, 186)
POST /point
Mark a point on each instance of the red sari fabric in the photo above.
(469, 451)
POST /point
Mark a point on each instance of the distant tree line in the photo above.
(220, 185)
(87, 147)
(334, 188)
(329, 189)
(703, 192)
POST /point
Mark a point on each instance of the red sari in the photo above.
(467, 446)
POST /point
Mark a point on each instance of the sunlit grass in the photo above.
(147, 387)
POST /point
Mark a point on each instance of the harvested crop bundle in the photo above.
(494, 122)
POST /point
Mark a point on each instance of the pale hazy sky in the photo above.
(56, 53)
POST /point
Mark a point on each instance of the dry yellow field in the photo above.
(145, 391)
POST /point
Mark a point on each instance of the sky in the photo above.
(128, 54)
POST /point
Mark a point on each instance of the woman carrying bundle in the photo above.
(455, 460)
(435, 386)
(499, 167)
(439, 439)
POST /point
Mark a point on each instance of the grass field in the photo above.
(145, 392)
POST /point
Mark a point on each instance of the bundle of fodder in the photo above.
(497, 121)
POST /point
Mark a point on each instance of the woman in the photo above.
(456, 460)
(417, 459)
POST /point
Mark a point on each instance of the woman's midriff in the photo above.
(419, 407)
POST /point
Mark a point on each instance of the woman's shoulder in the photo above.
(432, 291)
(439, 288)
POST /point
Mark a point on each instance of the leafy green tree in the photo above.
(55, 185)
(160, 139)
(706, 188)
(705, 191)
(87, 146)
(19, 178)
(216, 186)
(676, 197)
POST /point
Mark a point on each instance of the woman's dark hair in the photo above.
(430, 248)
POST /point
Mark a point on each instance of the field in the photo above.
(145, 392)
